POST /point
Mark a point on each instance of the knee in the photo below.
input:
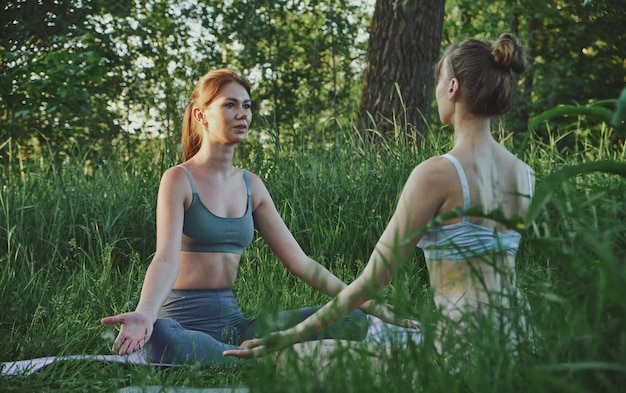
(162, 328)
(161, 340)
(358, 324)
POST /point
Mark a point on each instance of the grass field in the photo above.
(76, 237)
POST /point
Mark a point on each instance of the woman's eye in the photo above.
(247, 106)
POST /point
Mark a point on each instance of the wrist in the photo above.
(149, 315)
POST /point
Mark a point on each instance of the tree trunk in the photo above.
(404, 44)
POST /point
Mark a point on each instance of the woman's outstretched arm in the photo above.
(392, 250)
(136, 327)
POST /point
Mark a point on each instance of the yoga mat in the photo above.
(378, 332)
(30, 366)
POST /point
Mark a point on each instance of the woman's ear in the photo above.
(453, 88)
(198, 115)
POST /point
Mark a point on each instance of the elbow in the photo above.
(165, 260)
(377, 279)
(372, 284)
(383, 279)
(300, 267)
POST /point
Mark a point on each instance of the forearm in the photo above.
(324, 281)
(158, 282)
(353, 296)
(374, 277)
(320, 278)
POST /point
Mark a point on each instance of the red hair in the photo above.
(207, 88)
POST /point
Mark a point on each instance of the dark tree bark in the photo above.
(404, 45)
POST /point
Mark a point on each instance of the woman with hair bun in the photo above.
(470, 259)
(207, 213)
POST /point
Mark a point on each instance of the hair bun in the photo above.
(508, 53)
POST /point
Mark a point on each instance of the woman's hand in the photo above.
(250, 349)
(135, 331)
(260, 347)
(386, 312)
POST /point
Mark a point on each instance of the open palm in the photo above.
(134, 333)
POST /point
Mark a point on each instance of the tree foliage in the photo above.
(85, 72)
(57, 71)
(302, 56)
(576, 49)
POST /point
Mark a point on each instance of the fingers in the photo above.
(414, 324)
(127, 346)
(409, 323)
(241, 353)
(251, 349)
(112, 320)
(119, 343)
(253, 343)
(136, 347)
(237, 353)
(146, 335)
(133, 333)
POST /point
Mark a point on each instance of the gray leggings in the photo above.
(196, 326)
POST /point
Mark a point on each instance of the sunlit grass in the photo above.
(75, 243)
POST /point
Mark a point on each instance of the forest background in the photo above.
(92, 94)
(104, 72)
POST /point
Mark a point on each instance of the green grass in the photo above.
(76, 237)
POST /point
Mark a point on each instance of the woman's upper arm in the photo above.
(272, 228)
(424, 193)
(173, 191)
(422, 196)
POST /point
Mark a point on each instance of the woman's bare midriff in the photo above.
(207, 270)
(481, 279)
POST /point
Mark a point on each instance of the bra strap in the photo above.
(247, 180)
(530, 181)
(463, 179)
(193, 185)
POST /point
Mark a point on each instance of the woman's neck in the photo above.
(472, 131)
(214, 157)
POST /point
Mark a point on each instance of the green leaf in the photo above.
(619, 117)
(602, 113)
(584, 366)
(545, 190)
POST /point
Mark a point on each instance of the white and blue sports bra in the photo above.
(465, 240)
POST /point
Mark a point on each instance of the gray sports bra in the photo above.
(203, 231)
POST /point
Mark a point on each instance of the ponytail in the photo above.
(191, 137)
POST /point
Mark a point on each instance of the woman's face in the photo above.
(229, 115)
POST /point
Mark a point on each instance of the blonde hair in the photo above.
(485, 71)
(205, 91)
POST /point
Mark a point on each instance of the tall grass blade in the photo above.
(600, 112)
(547, 187)
(619, 117)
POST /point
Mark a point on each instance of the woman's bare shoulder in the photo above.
(434, 170)
(430, 179)
(173, 174)
(175, 181)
